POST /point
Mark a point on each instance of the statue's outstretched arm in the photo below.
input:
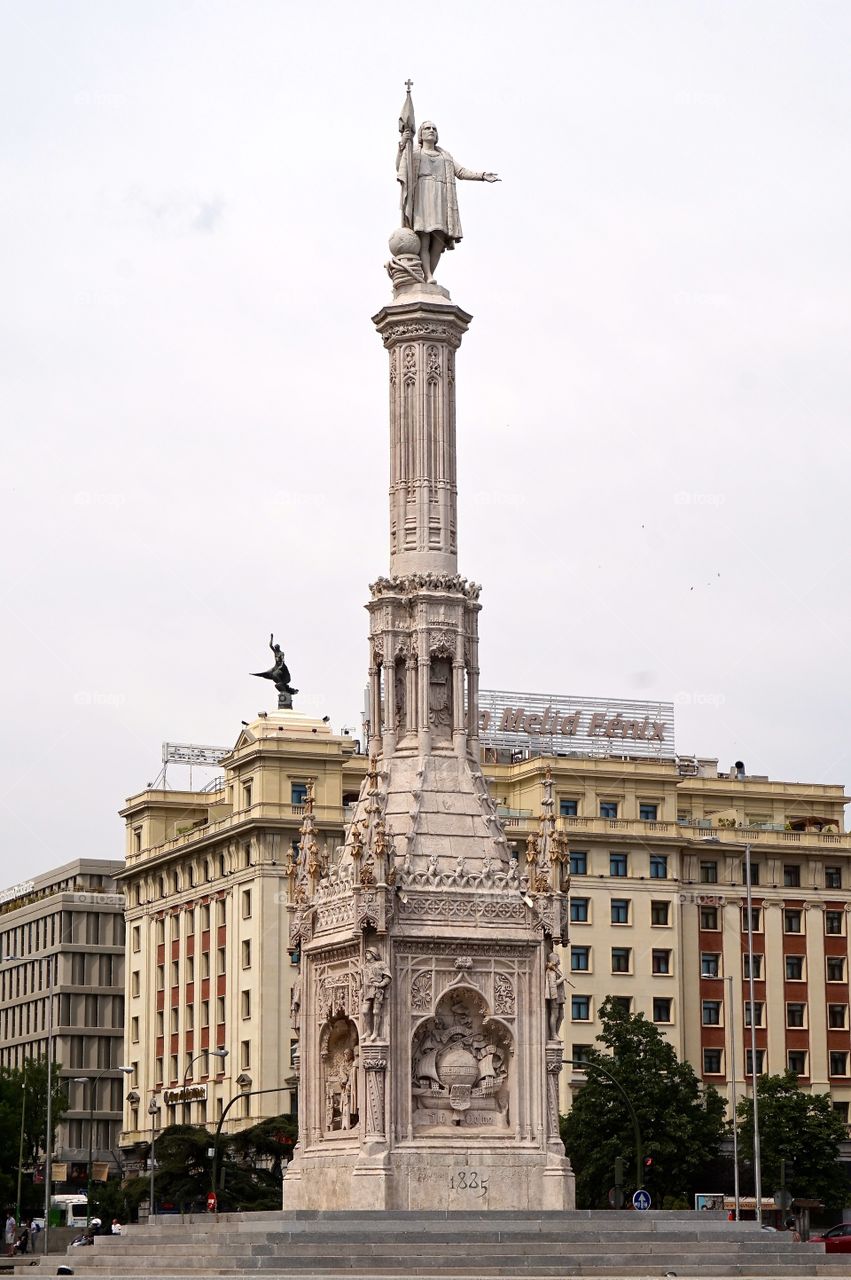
(474, 175)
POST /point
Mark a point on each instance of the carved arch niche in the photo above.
(339, 1056)
(461, 1066)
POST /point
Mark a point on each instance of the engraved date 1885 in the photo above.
(468, 1180)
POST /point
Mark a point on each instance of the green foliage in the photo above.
(802, 1128)
(250, 1166)
(681, 1124)
(23, 1094)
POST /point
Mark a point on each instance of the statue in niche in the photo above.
(400, 691)
(429, 198)
(279, 674)
(376, 980)
(555, 995)
(295, 1007)
(460, 1066)
(339, 1057)
(440, 698)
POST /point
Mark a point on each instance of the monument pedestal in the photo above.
(429, 983)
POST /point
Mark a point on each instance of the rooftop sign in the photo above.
(554, 724)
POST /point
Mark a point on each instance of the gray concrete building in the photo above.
(71, 921)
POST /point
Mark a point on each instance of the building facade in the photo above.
(65, 929)
(207, 958)
(657, 912)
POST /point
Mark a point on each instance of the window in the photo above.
(568, 808)
(246, 904)
(175, 973)
(134, 1030)
(660, 913)
(189, 916)
(245, 1054)
(709, 873)
(134, 983)
(661, 1009)
(792, 876)
(837, 1016)
(246, 795)
(709, 917)
(838, 1063)
(796, 1061)
(624, 1003)
(836, 968)
(221, 905)
(754, 874)
(792, 921)
(245, 1004)
(173, 1066)
(158, 1070)
(189, 1014)
(712, 1062)
(711, 1013)
(833, 877)
(754, 919)
(796, 1015)
(620, 910)
(205, 964)
(160, 932)
(833, 922)
(794, 969)
(298, 793)
(580, 1008)
(246, 954)
(661, 961)
(136, 937)
(647, 812)
(579, 910)
(205, 915)
(658, 866)
(757, 1013)
(579, 1053)
(160, 977)
(220, 960)
(621, 959)
(190, 968)
(220, 1009)
(205, 1013)
(578, 863)
(608, 808)
(160, 1022)
(580, 959)
(710, 964)
(841, 1109)
(617, 864)
(760, 1062)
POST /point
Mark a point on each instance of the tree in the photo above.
(23, 1094)
(681, 1123)
(803, 1129)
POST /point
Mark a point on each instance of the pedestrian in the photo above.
(23, 1240)
(9, 1235)
(116, 1227)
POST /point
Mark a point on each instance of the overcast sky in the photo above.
(653, 397)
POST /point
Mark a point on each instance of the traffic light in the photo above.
(618, 1171)
(648, 1163)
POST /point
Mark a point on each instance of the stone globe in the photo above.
(403, 242)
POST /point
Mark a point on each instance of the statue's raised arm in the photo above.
(429, 199)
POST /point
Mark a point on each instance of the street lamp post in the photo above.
(21, 1151)
(243, 1093)
(757, 1167)
(733, 1102)
(639, 1164)
(216, 1053)
(91, 1081)
(153, 1112)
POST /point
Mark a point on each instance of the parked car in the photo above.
(836, 1240)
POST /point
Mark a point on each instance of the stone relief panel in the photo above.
(339, 1067)
(460, 1067)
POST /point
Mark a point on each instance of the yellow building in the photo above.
(657, 895)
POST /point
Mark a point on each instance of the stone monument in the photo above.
(430, 996)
